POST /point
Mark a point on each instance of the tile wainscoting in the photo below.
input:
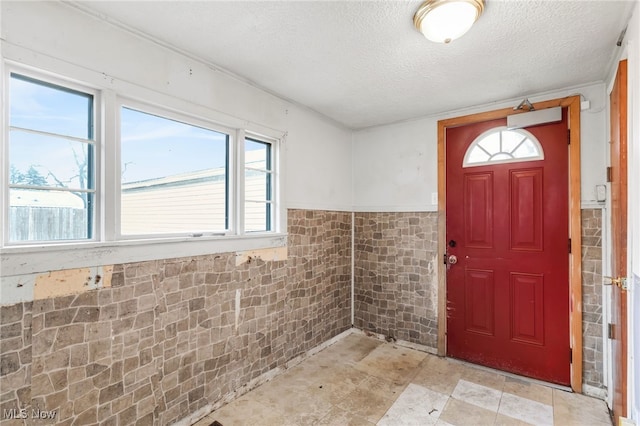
(396, 285)
(172, 336)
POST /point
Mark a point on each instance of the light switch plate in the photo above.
(434, 198)
(601, 193)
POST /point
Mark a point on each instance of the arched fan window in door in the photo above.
(501, 145)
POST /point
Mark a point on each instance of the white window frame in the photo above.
(107, 247)
(271, 172)
(192, 121)
(47, 78)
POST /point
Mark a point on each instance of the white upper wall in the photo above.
(395, 167)
(63, 40)
(388, 168)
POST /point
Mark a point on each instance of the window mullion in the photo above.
(4, 155)
(53, 135)
(51, 188)
(255, 169)
(277, 205)
(240, 182)
(109, 161)
(269, 190)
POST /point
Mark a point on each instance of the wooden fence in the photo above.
(47, 223)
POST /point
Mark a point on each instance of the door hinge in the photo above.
(568, 136)
(569, 245)
(609, 174)
(570, 355)
(444, 258)
(611, 331)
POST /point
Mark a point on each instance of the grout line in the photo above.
(495, 421)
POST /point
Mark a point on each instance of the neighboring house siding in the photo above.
(163, 208)
(190, 202)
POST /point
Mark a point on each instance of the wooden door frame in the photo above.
(572, 103)
(619, 260)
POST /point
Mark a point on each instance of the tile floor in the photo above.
(363, 381)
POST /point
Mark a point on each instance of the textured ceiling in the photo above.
(362, 63)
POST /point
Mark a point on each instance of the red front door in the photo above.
(507, 225)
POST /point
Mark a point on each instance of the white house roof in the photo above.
(39, 198)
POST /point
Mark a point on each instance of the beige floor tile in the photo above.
(347, 375)
(502, 420)
(417, 405)
(334, 393)
(359, 379)
(526, 389)
(302, 405)
(458, 413)
(245, 411)
(339, 417)
(311, 372)
(352, 349)
(205, 421)
(382, 387)
(526, 410)
(441, 422)
(439, 374)
(366, 404)
(483, 377)
(478, 395)
(340, 382)
(573, 409)
(391, 362)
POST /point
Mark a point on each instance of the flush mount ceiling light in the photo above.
(445, 20)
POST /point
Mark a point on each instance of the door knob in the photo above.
(452, 259)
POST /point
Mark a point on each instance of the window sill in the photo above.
(33, 259)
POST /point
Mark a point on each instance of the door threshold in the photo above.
(513, 375)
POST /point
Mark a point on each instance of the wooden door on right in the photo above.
(618, 327)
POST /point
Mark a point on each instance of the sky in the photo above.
(151, 146)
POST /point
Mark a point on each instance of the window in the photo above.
(501, 145)
(174, 176)
(51, 150)
(163, 173)
(258, 184)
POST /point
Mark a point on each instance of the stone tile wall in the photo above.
(396, 285)
(592, 297)
(166, 339)
(396, 275)
(319, 276)
(15, 357)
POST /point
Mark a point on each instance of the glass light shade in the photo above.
(443, 21)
